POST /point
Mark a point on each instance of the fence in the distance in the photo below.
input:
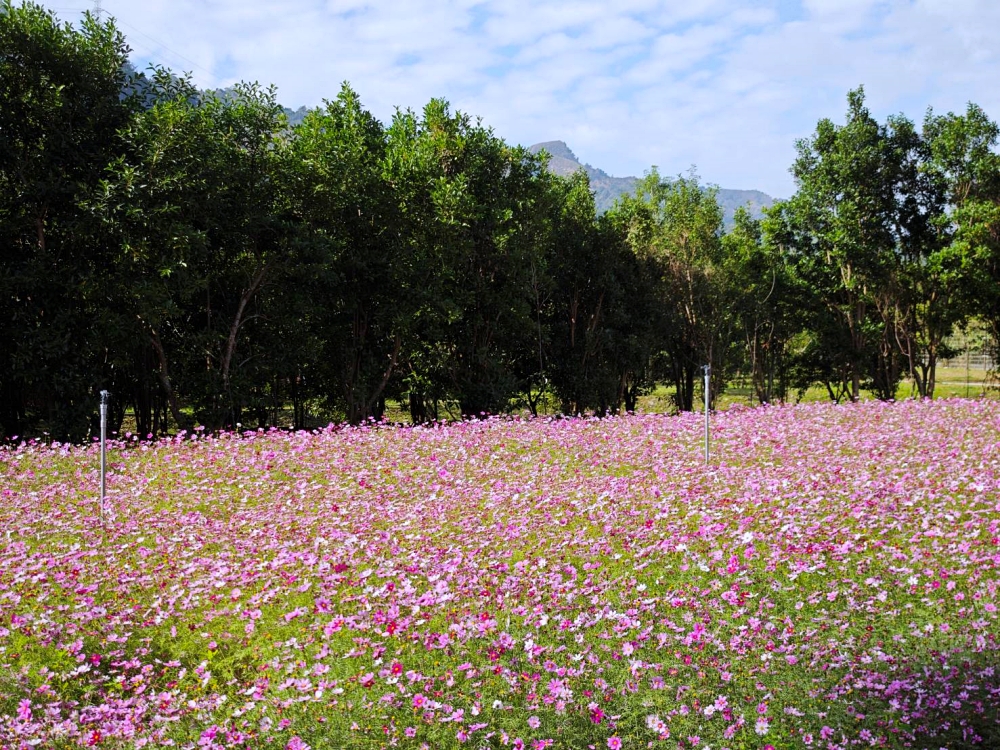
(970, 361)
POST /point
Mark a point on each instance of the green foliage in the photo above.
(676, 226)
(886, 273)
(602, 308)
(352, 257)
(473, 209)
(767, 303)
(964, 164)
(193, 208)
(61, 106)
(209, 262)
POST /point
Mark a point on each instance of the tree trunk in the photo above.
(234, 328)
(418, 407)
(377, 394)
(164, 375)
(931, 375)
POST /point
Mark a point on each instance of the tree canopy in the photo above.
(210, 262)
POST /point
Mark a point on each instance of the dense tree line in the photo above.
(208, 263)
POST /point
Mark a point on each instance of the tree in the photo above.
(966, 263)
(766, 302)
(153, 203)
(871, 233)
(677, 225)
(193, 211)
(842, 229)
(598, 323)
(474, 235)
(61, 106)
(347, 209)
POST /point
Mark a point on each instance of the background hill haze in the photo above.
(607, 189)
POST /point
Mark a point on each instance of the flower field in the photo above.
(830, 580)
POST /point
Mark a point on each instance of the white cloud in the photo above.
(727, 85)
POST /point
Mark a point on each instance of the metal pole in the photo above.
(104, 450)
(967, 368)
(708, 373)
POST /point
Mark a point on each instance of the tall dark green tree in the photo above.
(193, 210)
(153, 202)
(475, 236)
(875, 231)
(348, 217)
(599, 323)
(61, 107)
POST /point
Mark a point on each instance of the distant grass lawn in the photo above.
(951, 382)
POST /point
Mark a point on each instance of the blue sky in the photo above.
(723, 85)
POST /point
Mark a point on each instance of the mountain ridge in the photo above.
(607, 189)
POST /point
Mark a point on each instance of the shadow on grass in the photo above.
(942, 700)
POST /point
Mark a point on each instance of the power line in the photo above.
(158, 45)
(165, 48)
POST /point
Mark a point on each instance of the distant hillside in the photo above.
(295, 116)
(607, 188)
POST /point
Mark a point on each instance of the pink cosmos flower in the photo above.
(614, 743)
